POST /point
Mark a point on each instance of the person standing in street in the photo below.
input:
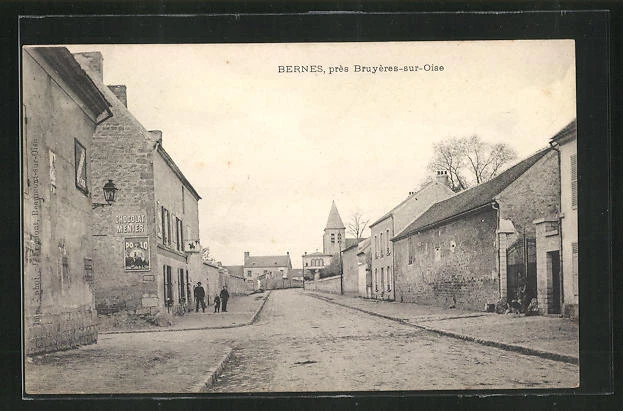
(224, 298)
(199, 297)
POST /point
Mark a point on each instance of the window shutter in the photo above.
(574, 181)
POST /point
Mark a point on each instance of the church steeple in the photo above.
(334, 220)
(334, 233)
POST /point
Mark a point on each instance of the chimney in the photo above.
(92, 62)
(156, 134)
(442, 178)
(120, 93)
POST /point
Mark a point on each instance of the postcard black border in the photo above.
(597, 58)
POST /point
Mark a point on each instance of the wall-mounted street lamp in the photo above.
(109, 195)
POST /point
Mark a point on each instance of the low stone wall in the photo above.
(60, 331)
(327, 285)
(235, 285)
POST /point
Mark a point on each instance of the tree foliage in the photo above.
(469, 160)
(332, 269)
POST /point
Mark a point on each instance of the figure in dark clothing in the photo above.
(199, 298)
(217, 303)
(224, 298)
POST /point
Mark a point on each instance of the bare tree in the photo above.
(357, 225)
(469, 160)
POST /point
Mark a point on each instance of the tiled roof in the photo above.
(237, 270)
(390, 212)
(334, 220)
(349, 242)
(471, 198)
(566, 131)
(268, 261)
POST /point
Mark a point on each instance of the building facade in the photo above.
(146, 247)
(383, 229)
(61, 108)
(557, 235)
(479, 245)
(262, 269)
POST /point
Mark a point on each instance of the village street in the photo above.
(301, 343)
(298, 343)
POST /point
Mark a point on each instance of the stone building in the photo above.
(262, 269)
(61, 108)
(146, 247)
(479, 245)
(383, 229)
(557, 235)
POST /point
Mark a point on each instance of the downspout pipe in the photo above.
(496, 207)
(393, 261)
(556, 147)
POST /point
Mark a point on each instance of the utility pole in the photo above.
(341, 270)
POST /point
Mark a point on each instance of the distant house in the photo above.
(383, 229)
(261, 269)
(479, 245)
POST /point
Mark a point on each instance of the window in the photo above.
(166, 226)
(387, 239)
(411, 245)
(381, 241)
(332, 238)
(339, 237)
(188, 295)
(249, 273)
(183, 203)
(168, 285)
(389, 279)
(179, 234)
(376, 247)
(574, 181)
(382, 279)
(182, 289)
(80, 165)
(376, 279)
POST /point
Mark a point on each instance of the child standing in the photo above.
(217, 303)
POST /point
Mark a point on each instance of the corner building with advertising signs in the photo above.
(146, 249)
(60, 110)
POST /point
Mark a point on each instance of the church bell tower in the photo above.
(334, 233)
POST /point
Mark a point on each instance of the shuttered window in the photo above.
(574, 181)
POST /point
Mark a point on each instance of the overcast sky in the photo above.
(269, 151)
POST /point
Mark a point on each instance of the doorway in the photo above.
(553, 268)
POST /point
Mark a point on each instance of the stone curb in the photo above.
(218, 327)
(508, 347)
(214, 372)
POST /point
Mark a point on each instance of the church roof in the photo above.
(334, 220)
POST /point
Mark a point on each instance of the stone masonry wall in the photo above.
(535, 194)
(462, 271)
(123, 152)
(327, 285)
(58, 298)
